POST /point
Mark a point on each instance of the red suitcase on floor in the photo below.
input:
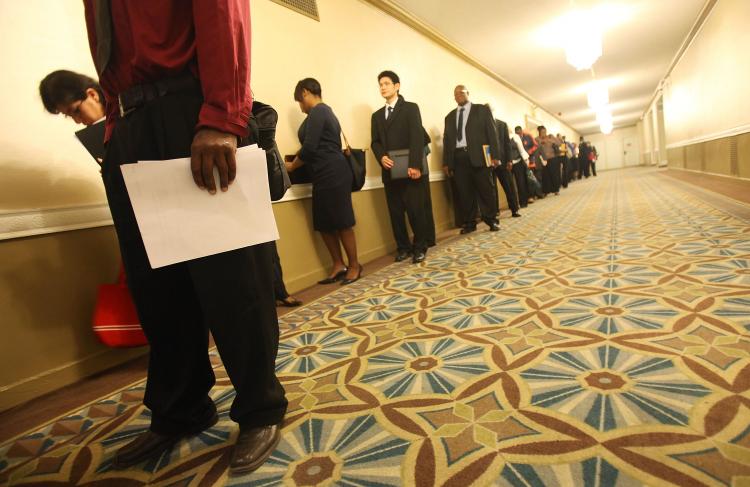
(116, 322)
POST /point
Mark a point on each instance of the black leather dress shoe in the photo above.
(330, 280)
(418, 257)
(466, 230)
(149, 444)
(494, 227)
(253, 447)
(516, 215)
(402, 255)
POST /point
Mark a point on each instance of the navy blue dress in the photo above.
(329, 170)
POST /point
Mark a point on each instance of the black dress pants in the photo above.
(564, 162)
(279, 289)
(474, 182)
(407, 196)
(583, 167)
(430, 235)
(506, 181)
(230, 294)
(522, 183)
(552, 175)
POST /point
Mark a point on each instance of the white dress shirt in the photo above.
(519, 143)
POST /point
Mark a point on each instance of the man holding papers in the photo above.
(398, 144)
(176, 79)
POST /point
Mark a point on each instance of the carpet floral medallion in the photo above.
(601, 340)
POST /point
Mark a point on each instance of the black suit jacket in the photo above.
(480, 130)
(402, 130)
(504, 140)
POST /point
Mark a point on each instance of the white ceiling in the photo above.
(521, 41)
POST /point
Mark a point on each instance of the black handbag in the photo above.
(262, 126)
(356, 160)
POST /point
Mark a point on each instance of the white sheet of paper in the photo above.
(179, 222)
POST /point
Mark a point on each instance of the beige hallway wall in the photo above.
(51, 176)
(706, 103)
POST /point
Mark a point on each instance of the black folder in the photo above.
(92, 138)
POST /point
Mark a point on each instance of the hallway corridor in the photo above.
(601, 340)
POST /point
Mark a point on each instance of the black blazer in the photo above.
(504, 139)
(480, 130)
(402, 130)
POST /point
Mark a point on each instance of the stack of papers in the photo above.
(179, 221)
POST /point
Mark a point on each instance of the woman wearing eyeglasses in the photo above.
(74, 95)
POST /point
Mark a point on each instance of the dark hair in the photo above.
(63, 87)
(541, 127)
(518, 127)
(309, 84)
(391, 75)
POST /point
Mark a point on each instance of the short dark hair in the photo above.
(518, 127)
(309, 84)
(63, 87)
(541, 127)
(389, 74)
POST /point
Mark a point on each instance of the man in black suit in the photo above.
(504, 170)
(398, 126)
(467, 129)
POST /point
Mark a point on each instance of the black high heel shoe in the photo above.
(344, 282)
(339, 276)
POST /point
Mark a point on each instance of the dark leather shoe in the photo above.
(466, 230)
(516, 215)
(149, 444)
(253, 447)
(344, 282)
(418, 257)
(493, 227)
(401, 256)
(330, 280)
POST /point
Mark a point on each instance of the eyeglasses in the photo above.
(73, 110)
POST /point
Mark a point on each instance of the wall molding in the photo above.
(742, 129)
(43, 221)
(404, 16)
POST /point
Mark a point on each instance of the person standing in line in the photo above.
(398, 126)
(593, 160)
(534, 163)
(520, 158)
(563, 155)
(549, 148)
(572, 160)
(333, 213)
(503, 171)
(73, 95)
(584, 158)
(468, 128)
(172, 99)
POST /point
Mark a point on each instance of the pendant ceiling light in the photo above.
(584, 43)
(604, 118)
(598, 95)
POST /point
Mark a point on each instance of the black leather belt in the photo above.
(139, 95)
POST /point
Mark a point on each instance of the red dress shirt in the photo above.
(153, 40)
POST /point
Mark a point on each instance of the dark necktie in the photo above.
(103, 23)
(460, 135)
(390, 112)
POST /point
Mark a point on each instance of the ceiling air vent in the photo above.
(305, 7)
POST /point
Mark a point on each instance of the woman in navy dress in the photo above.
(333, 215)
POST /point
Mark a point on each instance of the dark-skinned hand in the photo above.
(213, 148)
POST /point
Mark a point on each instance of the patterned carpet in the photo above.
(601, 340)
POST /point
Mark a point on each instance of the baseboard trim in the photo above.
(30, 388)
(695, 171)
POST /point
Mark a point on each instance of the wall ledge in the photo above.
(42, 221)
(742, 129)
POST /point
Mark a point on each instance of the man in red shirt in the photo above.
(176, 80)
